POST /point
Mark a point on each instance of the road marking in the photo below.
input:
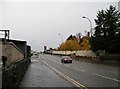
(77, 84)
(55, 61)
(106, 77)
(75, 68)
(78, 69)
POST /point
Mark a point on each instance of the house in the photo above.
(13, 50)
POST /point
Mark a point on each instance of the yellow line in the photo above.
(77, 84)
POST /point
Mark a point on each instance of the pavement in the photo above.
(0, 79)
(39, 75)
(0, 74)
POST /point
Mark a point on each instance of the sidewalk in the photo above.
(0, 79)
(39, 75)
(0, 74)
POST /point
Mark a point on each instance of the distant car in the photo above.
(66, 59)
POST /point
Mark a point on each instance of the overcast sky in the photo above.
(39, 23)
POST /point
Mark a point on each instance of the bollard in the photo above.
(4, 59)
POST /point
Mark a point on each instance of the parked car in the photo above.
(66, 59)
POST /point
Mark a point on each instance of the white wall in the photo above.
(63, 52)
(88, 53)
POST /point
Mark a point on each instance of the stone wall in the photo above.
(12, 75)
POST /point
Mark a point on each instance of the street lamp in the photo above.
(90, 24)
(61, 36)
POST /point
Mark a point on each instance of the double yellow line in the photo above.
(77, 84)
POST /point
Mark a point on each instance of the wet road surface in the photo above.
(87, 74)
(48, 71)
(40, 75)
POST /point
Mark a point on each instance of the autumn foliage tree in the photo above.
(72, 44)
(85, 44)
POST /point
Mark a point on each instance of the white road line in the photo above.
(77, 84)
(78, 69)
(106, 77)
(55, 61)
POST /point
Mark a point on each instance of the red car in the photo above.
(66, 59)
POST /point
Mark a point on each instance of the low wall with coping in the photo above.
(63, 52)
(88, 53)
(13, 74)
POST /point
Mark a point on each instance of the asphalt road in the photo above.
(39, 75)
(87, 75)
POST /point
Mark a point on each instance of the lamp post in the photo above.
(61, 36)
(90, 24)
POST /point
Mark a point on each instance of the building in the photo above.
(13, 50)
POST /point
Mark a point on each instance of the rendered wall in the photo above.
(88, 53)
(63, 52)
(12, 53)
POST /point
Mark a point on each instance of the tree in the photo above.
(107, 31)
(85, 44)
(70, 44)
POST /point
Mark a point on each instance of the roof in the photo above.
(12, 40)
